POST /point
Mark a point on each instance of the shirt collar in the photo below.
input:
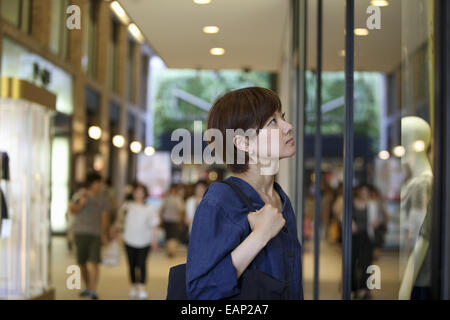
(254, 195)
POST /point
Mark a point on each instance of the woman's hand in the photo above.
(83, 200)
(113, 232)
(266, 222)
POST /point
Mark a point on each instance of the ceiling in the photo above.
(379, 51)
(253, 33)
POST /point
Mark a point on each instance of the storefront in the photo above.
(26, 130)
(388, 82)
(19, 62)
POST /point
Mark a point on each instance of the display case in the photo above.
(25, 137)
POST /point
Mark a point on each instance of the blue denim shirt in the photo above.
(220, 225)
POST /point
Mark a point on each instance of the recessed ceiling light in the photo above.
(149, 151)
(399, 151)
(379, 3)
(95, 132)
(383, 155)
(419, 146)
(217, 51)
(136, 147)
(118, 141)
(202, 1)
(213, 176)
(210, 29)
(361, 32)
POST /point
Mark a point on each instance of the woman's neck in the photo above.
(261, 183)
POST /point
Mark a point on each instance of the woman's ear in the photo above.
(241, 143)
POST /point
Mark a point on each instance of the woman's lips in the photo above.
(290, 141)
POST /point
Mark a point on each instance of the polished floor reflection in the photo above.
(114, 281)
(331, 271)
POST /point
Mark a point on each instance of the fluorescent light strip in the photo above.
(134, 30)
(120, 12)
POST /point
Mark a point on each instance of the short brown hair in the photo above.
(247, 108)
(142, 186)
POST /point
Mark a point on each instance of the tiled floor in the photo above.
(114, 284)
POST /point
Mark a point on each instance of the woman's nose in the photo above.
(287, 127)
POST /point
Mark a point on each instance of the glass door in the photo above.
(375, 92)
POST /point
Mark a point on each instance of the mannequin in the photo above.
(4, 175)
(415, 195)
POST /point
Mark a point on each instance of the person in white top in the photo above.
(140, 223)
(193, 202)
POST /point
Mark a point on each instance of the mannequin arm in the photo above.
(412, 268)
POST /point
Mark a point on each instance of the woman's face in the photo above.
(139, 194)
(200, 190)
(180, 191)
(364, 193)
(276, 136)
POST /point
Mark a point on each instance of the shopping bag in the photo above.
(111, 254)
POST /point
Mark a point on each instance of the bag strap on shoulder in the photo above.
(249, 204)
(241, 194)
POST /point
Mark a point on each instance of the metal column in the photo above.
(318, 151)
(440, 240)
(348, 151)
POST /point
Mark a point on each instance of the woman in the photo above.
(362, 247)
(171, 213)
(226, 239)
(141, 223)
(193, 202)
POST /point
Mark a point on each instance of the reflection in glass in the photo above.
(416, 133)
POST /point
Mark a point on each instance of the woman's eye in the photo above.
(271, 121)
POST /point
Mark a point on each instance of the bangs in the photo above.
(261, 105)
(249, 108)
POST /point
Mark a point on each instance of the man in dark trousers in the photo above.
(90, 229)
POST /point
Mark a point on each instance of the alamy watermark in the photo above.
(73, 281)
(263, 148)
(374, 20)
(74, 19)
(374, 280)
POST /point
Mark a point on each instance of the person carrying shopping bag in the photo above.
(231, 244)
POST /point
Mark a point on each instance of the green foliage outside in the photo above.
(366, 106)
(171, 113)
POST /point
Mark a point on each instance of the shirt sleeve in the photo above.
(210, 273)
(190, 208)
(154, 216)
(77, 195)
(106, 205)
